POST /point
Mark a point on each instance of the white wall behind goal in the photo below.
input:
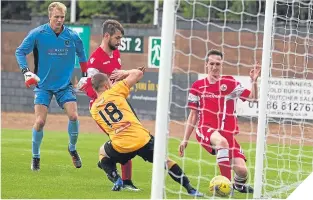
(287, 98)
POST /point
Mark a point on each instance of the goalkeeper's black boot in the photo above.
(77, 162)
(244, 188)
(35, 165)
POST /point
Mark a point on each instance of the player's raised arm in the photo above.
(133, 76)
(254, 74)
(245, 94)
(21, 52)
(118, 75)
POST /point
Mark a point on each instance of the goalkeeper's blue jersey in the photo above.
(54, 55)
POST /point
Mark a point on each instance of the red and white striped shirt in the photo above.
(100, 61)
(216, 102)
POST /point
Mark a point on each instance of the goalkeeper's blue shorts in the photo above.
(43, 97)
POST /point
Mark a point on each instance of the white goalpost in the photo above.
(163, 99)
(276, 133)
(266, 63)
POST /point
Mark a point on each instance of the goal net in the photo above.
(236, 28)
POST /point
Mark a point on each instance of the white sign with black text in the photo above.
(287, 98)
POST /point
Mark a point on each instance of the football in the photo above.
(220, 186)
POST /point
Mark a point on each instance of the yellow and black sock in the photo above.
(178, 175)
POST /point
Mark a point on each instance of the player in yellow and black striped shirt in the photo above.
(128, 137)
(112, 112)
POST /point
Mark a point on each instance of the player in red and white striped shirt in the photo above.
(212, 103)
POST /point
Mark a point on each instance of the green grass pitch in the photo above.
(58, 178)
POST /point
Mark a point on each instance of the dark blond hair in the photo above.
(98, 80)
(112, 26)
(58, 5)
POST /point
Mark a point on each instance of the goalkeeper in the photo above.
(212, 109)
(54, 46)
(128, 137)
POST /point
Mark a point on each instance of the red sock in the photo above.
(224, 163)
(127, 171)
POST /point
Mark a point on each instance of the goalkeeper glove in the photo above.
(30, 78)
(82, 83)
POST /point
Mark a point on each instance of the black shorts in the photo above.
(146, 152)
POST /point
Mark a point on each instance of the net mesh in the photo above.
(236, 28)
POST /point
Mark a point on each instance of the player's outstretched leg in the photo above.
(73, 127)
(109, 177)
(223, 162)
(127, 176)
(178, 175)
(67, 100)
(109, 167)
(127, 183)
